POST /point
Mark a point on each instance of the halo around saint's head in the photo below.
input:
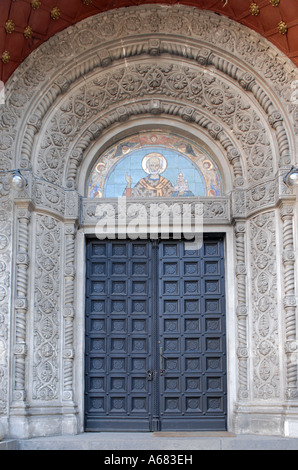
(154, 156)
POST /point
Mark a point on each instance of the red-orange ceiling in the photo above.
(71, 11)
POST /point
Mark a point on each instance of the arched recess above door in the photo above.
(155, 163)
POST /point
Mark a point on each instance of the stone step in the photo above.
(9, 444)
(158, 441)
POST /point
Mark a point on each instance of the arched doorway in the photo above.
(60, 120)
(155, 300)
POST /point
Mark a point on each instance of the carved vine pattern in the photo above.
(47, 309)
(202, 90)
(5, 281)
(265, 334)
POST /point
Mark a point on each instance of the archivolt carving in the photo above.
(88, 36)
(212, 104)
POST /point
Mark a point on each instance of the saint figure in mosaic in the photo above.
(153, 185)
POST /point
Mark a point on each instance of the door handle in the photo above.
(149, 375)
(161, 361)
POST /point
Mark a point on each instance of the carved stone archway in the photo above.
(105, 77)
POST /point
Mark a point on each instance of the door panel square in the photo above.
(193, 384)
(172, 384)
(139, 345)
(139, 384)
(118, 325)
(119, 287)
(170, 287)
(191, 269)
(194, 404)
(139, 326)
(139, 306)
(139, 287)
(118, 364)
(171, 345)
(118, 384)
(139, 269)
(170, 269)
(118, 306)
(171, 306)
(139, 404)
(119, 269)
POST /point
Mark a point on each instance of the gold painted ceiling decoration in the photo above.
(254, 9)
(26, 24)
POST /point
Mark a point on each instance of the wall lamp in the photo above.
(17, 181)
(291, 178)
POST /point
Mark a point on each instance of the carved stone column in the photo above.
(68, 313)
(72, 210)
(21, 305)
(241, 311)
(290, 303)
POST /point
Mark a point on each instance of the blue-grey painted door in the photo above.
(155, 336)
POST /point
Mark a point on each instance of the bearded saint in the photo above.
(153, 185)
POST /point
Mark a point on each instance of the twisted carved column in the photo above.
(290, 302)
(21, 304)
(68, 316)
(242, 350)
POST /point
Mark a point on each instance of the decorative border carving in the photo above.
(214, 210)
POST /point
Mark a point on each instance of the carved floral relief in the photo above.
(265, 334)
(5, 281)
(47, 319)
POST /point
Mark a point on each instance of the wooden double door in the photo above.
(155, 351)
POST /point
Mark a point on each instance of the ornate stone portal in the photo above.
(169, 68)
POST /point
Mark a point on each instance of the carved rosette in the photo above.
(290, 302)
(241, 310)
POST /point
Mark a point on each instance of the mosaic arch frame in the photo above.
(184, 168)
